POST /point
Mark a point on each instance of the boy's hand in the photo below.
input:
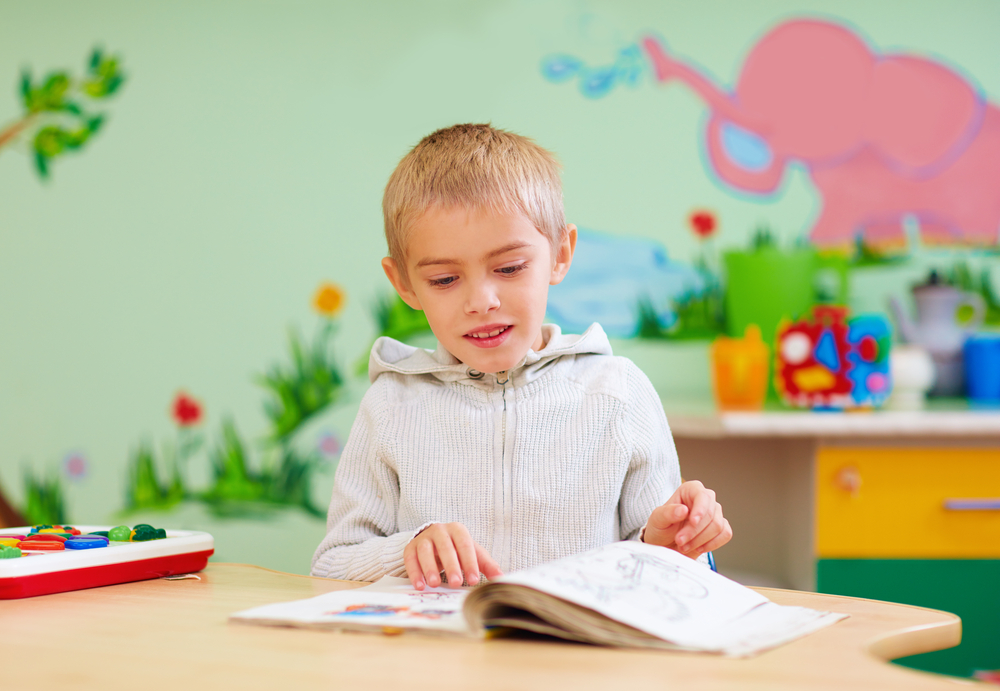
(447, 547)
(691, 522)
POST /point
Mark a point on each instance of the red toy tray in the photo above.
(44, 573)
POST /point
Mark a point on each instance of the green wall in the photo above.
(243, 164)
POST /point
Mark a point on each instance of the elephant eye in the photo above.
(745, 148)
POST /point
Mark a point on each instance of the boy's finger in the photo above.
(449, 561)
(708, 532)
(701, 512)
(715, 543)
(466, 548)
(413, 568)
(487, 566)
(428, 563)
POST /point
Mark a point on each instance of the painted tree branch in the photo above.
(11, 132)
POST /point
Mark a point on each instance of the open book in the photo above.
(622, 594)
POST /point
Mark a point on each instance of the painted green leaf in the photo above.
(26, 88)
(41, 164)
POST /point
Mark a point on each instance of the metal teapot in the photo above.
(938, 330)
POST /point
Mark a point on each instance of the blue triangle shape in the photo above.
(826, 352)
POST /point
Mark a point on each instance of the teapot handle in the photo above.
(978, 305)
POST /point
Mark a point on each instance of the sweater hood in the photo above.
(389, 355)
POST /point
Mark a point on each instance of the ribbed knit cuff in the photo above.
(421, 529)
(392, 553)
(368, 561)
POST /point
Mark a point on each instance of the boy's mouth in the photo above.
(489, 336)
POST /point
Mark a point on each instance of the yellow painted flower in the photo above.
(329, 299)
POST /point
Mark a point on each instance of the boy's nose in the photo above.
(481, 299)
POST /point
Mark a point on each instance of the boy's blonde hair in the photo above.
(476, 167)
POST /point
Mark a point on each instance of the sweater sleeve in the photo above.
(362, 542)
(653, 472)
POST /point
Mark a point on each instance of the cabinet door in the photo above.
(969, 588)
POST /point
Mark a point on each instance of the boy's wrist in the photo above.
(421, 529)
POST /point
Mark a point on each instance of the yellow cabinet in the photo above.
(908, 502)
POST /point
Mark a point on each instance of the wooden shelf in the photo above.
(698, 419)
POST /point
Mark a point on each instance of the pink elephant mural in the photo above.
(883, 136)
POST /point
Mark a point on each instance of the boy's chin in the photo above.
(490, 367)
(491, 363)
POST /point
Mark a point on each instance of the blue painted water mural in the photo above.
(595, 82)
(610, 275)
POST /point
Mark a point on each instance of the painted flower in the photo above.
(186, 410)
(329, 299)
(329, 444)
(703, 223)
(75, 465)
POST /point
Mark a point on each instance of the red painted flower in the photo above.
(703, 223)
(186, 410)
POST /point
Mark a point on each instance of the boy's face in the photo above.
(483, 281)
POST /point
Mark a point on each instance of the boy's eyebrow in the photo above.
(495, 253)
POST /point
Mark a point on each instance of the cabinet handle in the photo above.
(848, 479)
(972, 504)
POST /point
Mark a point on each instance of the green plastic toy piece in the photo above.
(9, 552)
(121, 533)
(161, 534)
(143, 533)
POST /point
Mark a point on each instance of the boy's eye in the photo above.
(511, 270)
(447, 280)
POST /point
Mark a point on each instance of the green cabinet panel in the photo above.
(969, 588)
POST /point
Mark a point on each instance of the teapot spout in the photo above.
(907, 329)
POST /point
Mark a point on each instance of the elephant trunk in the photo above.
(738, 152)
(667, 68)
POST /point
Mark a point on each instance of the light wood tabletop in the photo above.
(175, 635)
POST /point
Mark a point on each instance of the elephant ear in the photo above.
(920, 115)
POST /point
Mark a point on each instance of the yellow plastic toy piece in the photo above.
(812, 379)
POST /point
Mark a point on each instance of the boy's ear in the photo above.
(564, 255)
(399, 282)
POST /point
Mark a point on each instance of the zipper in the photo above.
(503, 377)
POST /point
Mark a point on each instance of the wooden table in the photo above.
(857, 504)
(175, 635)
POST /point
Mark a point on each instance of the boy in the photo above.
(511, 444)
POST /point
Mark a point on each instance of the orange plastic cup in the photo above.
(739, 370)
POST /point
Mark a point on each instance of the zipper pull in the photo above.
(502, 377)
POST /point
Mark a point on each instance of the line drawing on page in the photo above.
(436, 597)
(641, 580)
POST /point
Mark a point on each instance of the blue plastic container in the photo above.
(982, 368)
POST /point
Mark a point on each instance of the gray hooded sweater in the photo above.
(568, 451)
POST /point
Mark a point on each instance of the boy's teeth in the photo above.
(488, 335)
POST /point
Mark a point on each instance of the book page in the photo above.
(657, 591)
(388, 603)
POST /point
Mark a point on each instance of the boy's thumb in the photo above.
(664, 523)
(668, 515)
